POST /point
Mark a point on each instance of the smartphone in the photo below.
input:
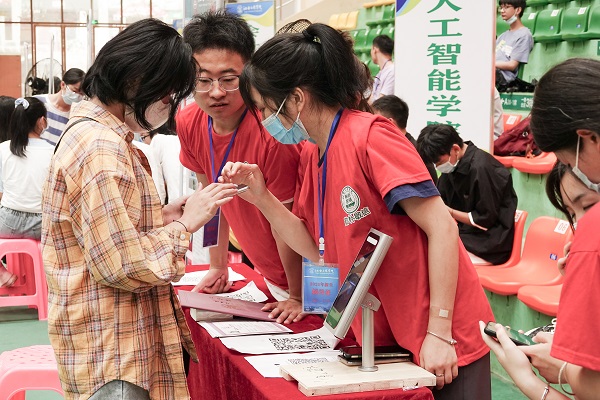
(242, 188)
(518, 338)
(355, 352)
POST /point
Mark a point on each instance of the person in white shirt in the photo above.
(24, 163)
(381, 53)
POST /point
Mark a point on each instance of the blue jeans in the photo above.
(19, 224)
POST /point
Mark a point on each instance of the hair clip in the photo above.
(22, 102)
(312, 38)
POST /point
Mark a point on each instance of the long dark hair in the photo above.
(7, 107)
(320, 60)
(143, 64)
(565, 100)
(553, 185)
(22, 122)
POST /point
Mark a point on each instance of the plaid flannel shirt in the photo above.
(109, 263)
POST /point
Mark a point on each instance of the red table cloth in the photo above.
(225, 374)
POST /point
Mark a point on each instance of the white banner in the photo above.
(444, 60)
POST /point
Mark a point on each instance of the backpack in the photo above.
(517, 141)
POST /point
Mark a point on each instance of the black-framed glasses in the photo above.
(505, 7)
(228, 83)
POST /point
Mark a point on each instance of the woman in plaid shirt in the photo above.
(110, 249)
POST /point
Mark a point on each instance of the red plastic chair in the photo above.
(507, 161)
(28, 368)
(541, 164)
(544, 244)
(32, 278)
(544, 299)
(515, 254)
(510, 120)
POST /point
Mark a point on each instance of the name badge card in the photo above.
(319, 286)
(211, 231)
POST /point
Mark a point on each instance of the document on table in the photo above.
(250, 292)
(268, 365)
(194, 278)
(221, 329)
(320, 339)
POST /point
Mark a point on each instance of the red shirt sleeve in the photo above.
(392, 160)
(188, 123)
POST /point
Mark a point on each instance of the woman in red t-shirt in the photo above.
(362, 173)
(565, 119)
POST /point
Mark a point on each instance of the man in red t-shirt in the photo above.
(218, 128)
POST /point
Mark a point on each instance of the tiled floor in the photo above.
(19, 327)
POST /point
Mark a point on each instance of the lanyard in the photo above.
(322, 184)
(229, 146)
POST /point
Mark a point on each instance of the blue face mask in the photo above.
(295, 135)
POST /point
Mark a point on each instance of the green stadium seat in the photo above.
(529, 19)
(389, 31)
(593, 30)
(374, 15)
(387, 17)
(535, 3)
(371, 34)
(360, 40)
(556, 1)
(574, 23)
(501, 25)
(374, 68)
(547, 26)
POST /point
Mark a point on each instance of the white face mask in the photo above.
(512, 19)
(579, 174)
(447, 167)
(70, 97)
(157, 114)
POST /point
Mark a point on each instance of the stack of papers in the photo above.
(242, 328)
(194, 278)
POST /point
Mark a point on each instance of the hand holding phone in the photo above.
(518, 338)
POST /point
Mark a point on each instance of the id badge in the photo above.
(319, 286)
(211, 231)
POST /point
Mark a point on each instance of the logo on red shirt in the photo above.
(350, 204)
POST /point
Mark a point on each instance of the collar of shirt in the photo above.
(465, 162)
(91, 110)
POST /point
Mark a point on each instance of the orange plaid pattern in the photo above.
(109, 263)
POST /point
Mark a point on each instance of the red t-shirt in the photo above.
(278, 162)
(576, 335)
(367, 158)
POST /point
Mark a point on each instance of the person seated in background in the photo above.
(570, 196)
(7, 106)
(59, 104)
(381, 54)
(24, 163)
(477, 190)
(514, 45)
(396, 110)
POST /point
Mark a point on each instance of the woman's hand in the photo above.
(242, 173)
(539, 354)
(440, 359)
(562, 262)
(174, 210)
(202, 205)
(510, 356)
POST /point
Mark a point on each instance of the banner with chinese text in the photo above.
(444, 61)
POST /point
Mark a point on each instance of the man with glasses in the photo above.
(59, 104)
(219, 128)
(513, 46)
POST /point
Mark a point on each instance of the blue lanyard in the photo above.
(229, 146)
(322, 184)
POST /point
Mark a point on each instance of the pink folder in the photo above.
(225, 305)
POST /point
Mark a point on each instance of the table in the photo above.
(225, 374)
